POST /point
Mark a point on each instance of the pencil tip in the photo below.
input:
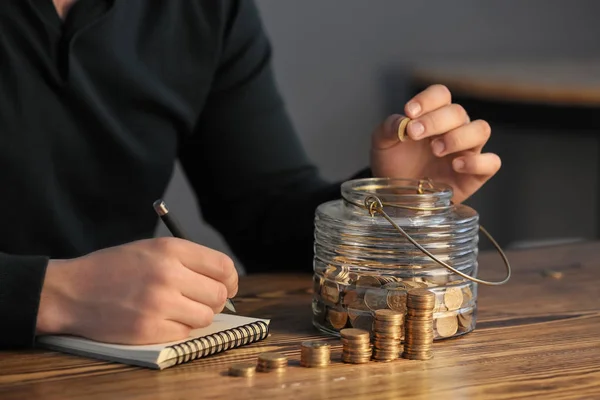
(230, 306)
(160, 207)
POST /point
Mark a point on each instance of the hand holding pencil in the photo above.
(163, 212)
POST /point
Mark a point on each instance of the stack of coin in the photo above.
(387, 331)
(243, 369)
(315, 354)
(418, 333)
(271, 362)
(356, 346)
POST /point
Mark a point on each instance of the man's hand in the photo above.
(442, 144)
(149, 291)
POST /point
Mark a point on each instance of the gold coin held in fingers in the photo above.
(402, 128)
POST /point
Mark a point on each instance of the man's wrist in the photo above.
(53, 313)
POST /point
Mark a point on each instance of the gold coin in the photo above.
(376, 299)
(330, 292)
(548, 273)
(467, 296)
(465, 319)
(402, 128)
(396, 299)
(388, 315)
(357, 309)
(355, 334)
(350, 296)
(272, 357)
(410, 284)
(337, 319)
(315, 344)
(453, 298)
(242, 369)
(446, 326)
(368, 281)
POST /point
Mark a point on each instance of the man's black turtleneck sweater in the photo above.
(95, 110)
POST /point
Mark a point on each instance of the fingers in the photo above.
(439, 121)
(472, 136)
(204, 261)
(432, 98)
(485, 165)
(203, 290)
(191, 313)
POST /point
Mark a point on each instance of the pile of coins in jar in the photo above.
(344, 299)
(381, 343)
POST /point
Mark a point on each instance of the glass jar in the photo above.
(363, 263)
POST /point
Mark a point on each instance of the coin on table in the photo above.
(271, 361)
(355, 334)
(242, 369)
(315, 354)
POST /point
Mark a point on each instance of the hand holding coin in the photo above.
(434, 139)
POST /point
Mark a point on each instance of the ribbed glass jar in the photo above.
(362, 263)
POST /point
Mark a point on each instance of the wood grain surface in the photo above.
(537, 337)
(565, 82)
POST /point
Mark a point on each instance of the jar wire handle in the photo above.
(374, 205)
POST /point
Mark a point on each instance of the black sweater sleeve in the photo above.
(250, 173)
(21, 279)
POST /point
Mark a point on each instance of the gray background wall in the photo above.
(333, 60)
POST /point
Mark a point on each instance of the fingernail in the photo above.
(438, 146)
(413, 109)
(416, 129)
(459, 164)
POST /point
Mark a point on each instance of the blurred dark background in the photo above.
(343, 66)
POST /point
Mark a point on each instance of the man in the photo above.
(98, 98)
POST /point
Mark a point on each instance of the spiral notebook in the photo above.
(226, 332)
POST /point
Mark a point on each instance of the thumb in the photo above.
(386, 134)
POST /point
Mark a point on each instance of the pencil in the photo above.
(163, 212)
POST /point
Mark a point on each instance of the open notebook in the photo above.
(226, 332)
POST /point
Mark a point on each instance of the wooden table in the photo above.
(537, 337)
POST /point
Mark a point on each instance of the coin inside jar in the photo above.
(446, 326)
(338, 319)
(376, 299)
(453, 298)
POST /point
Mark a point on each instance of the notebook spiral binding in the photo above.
(220, 341)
